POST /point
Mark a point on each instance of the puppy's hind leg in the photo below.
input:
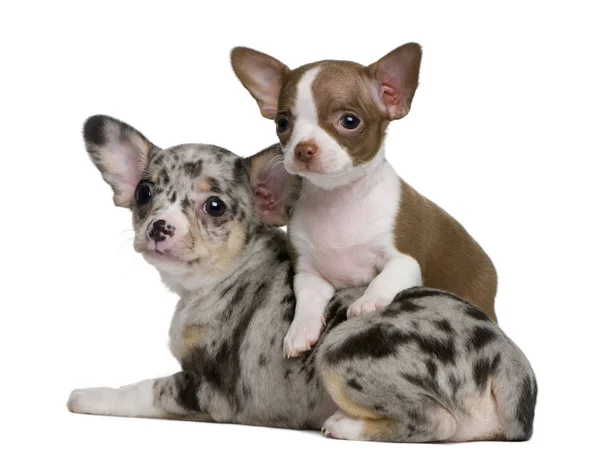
(412, 420)
(169, 397)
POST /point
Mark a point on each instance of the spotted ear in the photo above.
(119, 152)
(396, 77)
(275, 190)
(262, 75)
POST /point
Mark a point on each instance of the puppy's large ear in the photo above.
(260, 74)
(275, 191)
(396, 79)
(119, 152)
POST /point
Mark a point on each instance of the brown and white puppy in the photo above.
(356, 222)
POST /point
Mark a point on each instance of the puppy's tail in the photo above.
(515, 388)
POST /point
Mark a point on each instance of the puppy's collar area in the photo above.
(360, 179)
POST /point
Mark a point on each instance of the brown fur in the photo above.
(333, 383)
(449, 257)
(349, 94)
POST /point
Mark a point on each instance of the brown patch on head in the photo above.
(372, 96)
(334, 384)
(342, 88)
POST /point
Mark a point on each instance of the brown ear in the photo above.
(274, 189)
(262, 75)
(396, 77)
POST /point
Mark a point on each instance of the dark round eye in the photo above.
(143, 194)
(282, 124)
(215, 207)
(349, 121)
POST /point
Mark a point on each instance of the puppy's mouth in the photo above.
(158, 254)
(156, 257)
(303, 168)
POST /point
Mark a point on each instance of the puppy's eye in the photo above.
(215, 207)
(143, 193)
(349, 121)
(282, 124)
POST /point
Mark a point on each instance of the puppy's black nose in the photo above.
(160, 230)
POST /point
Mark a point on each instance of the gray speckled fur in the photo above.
(427, 352)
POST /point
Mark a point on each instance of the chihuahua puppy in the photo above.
(356, 222)
(429, 367)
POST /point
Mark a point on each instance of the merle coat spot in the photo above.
(400, 307)
(187, 395)
(477, 314)
(480, 337)
(215, 186)
(444, 325)
(431, 368)
(419, 292)
(526, 406)
(377, 341)
(353, 383)
(483, 369)
(193, 169)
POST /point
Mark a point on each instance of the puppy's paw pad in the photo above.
(90, 400)
(302, 335)
(367, 304)
(342, 426)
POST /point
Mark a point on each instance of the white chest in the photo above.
(345, 235)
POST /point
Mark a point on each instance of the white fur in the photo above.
(312, 295)
(136, 400)
(400, 272)
(342, 426)
(345, 236)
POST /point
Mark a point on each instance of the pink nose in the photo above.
(160, 230)
(305, 150)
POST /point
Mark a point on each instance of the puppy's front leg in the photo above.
(168, 397)
(312, 295)
(399, 273)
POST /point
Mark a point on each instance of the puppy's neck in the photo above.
(203, 281)
(204, 278)
(360, 180)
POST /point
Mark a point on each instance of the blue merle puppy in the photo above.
(429, 367)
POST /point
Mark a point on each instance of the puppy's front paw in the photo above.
(302, 335)
(91, 400)
(367, 304)
(341, 426)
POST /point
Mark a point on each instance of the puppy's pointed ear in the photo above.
(119, 152)
(275, 191)
(396, 77)
(262, 75)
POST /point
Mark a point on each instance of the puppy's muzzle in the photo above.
(160, 230)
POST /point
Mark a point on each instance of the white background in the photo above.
(503, 134)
